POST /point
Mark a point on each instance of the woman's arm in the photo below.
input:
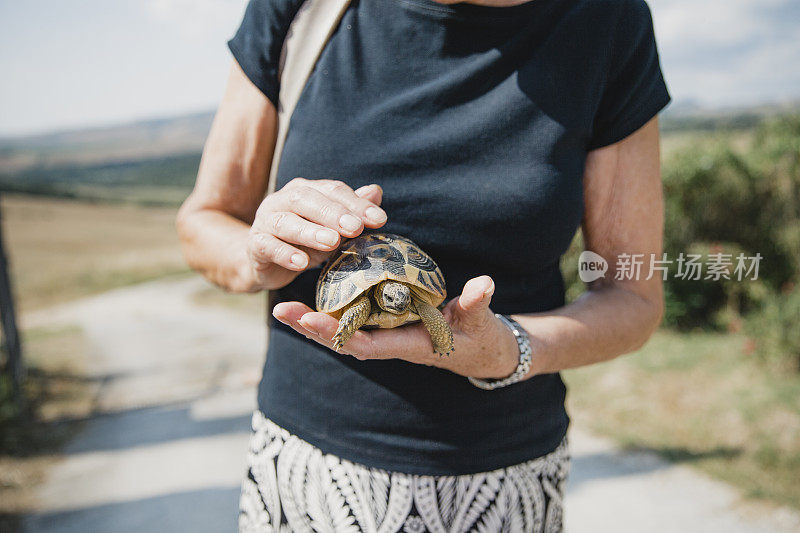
(246, 242)
(623, 214)
(214, 221)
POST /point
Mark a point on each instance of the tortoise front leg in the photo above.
(437, 326)
(355, 315)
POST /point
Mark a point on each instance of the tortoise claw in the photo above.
(354, 316)
(337, 342)
(442, 354)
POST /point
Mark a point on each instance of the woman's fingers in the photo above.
(470, 311)
(288, 312)
(315, 206)
(323, 327)
(368, 211)
(265, 250)
(293, 313)
(332, 204)
(294, 229)
(320, 323)
(317, 257)
(300, 225)
(319, 327)
(469, 317)
(412, 342)
(372, 192)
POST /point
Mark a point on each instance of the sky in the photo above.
(70, 64)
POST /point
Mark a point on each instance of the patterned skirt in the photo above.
(292, 485)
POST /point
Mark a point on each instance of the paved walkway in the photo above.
(166, 453)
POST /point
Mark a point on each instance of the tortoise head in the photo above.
(392, 296)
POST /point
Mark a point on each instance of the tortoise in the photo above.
(383, 280)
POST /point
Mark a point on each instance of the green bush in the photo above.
(775, 330)
(733, 193)
(734, 199)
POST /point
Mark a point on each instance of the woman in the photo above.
(487, 132)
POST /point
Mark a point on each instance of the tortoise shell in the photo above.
(368, 259)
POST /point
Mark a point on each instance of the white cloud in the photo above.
(699, 23)
(196, 19)
(731, 52)
(95, 61)
(714, 52)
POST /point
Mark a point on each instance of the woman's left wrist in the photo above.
(523, 358)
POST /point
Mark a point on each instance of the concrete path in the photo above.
(166, 451)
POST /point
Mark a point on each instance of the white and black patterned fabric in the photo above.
(294, 486)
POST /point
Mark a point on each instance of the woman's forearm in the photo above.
(215, 244)
(600, 325)
(214, 222)
(624, 213)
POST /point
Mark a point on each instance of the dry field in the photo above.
(699, 398)
(63, 249)
(703, 399)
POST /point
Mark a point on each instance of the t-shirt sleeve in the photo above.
(258, 42)
(635, 90)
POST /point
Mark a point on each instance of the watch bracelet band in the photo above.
(525, 358)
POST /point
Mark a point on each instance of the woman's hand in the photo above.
(484, 346)
(239, 237)
(299, 226)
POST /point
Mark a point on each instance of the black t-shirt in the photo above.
(476, 121)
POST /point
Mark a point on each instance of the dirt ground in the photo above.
(165, 447)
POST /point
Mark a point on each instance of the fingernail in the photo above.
(488, 292)
(327, 237)
(299, 260)
(349, 223)
(376, 214)
(361, 191)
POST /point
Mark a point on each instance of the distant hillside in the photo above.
(686, 116)
(126, 142)
(147, 162)
(156, 161)
(155, 180)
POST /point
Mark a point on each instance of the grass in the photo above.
(673, 142)
(60, 249)
(143, 195)
(700, 398)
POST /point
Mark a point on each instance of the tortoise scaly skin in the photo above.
(383, 280)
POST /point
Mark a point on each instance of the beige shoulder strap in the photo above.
(315, 22)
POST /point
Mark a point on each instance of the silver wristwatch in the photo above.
(525, 357)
